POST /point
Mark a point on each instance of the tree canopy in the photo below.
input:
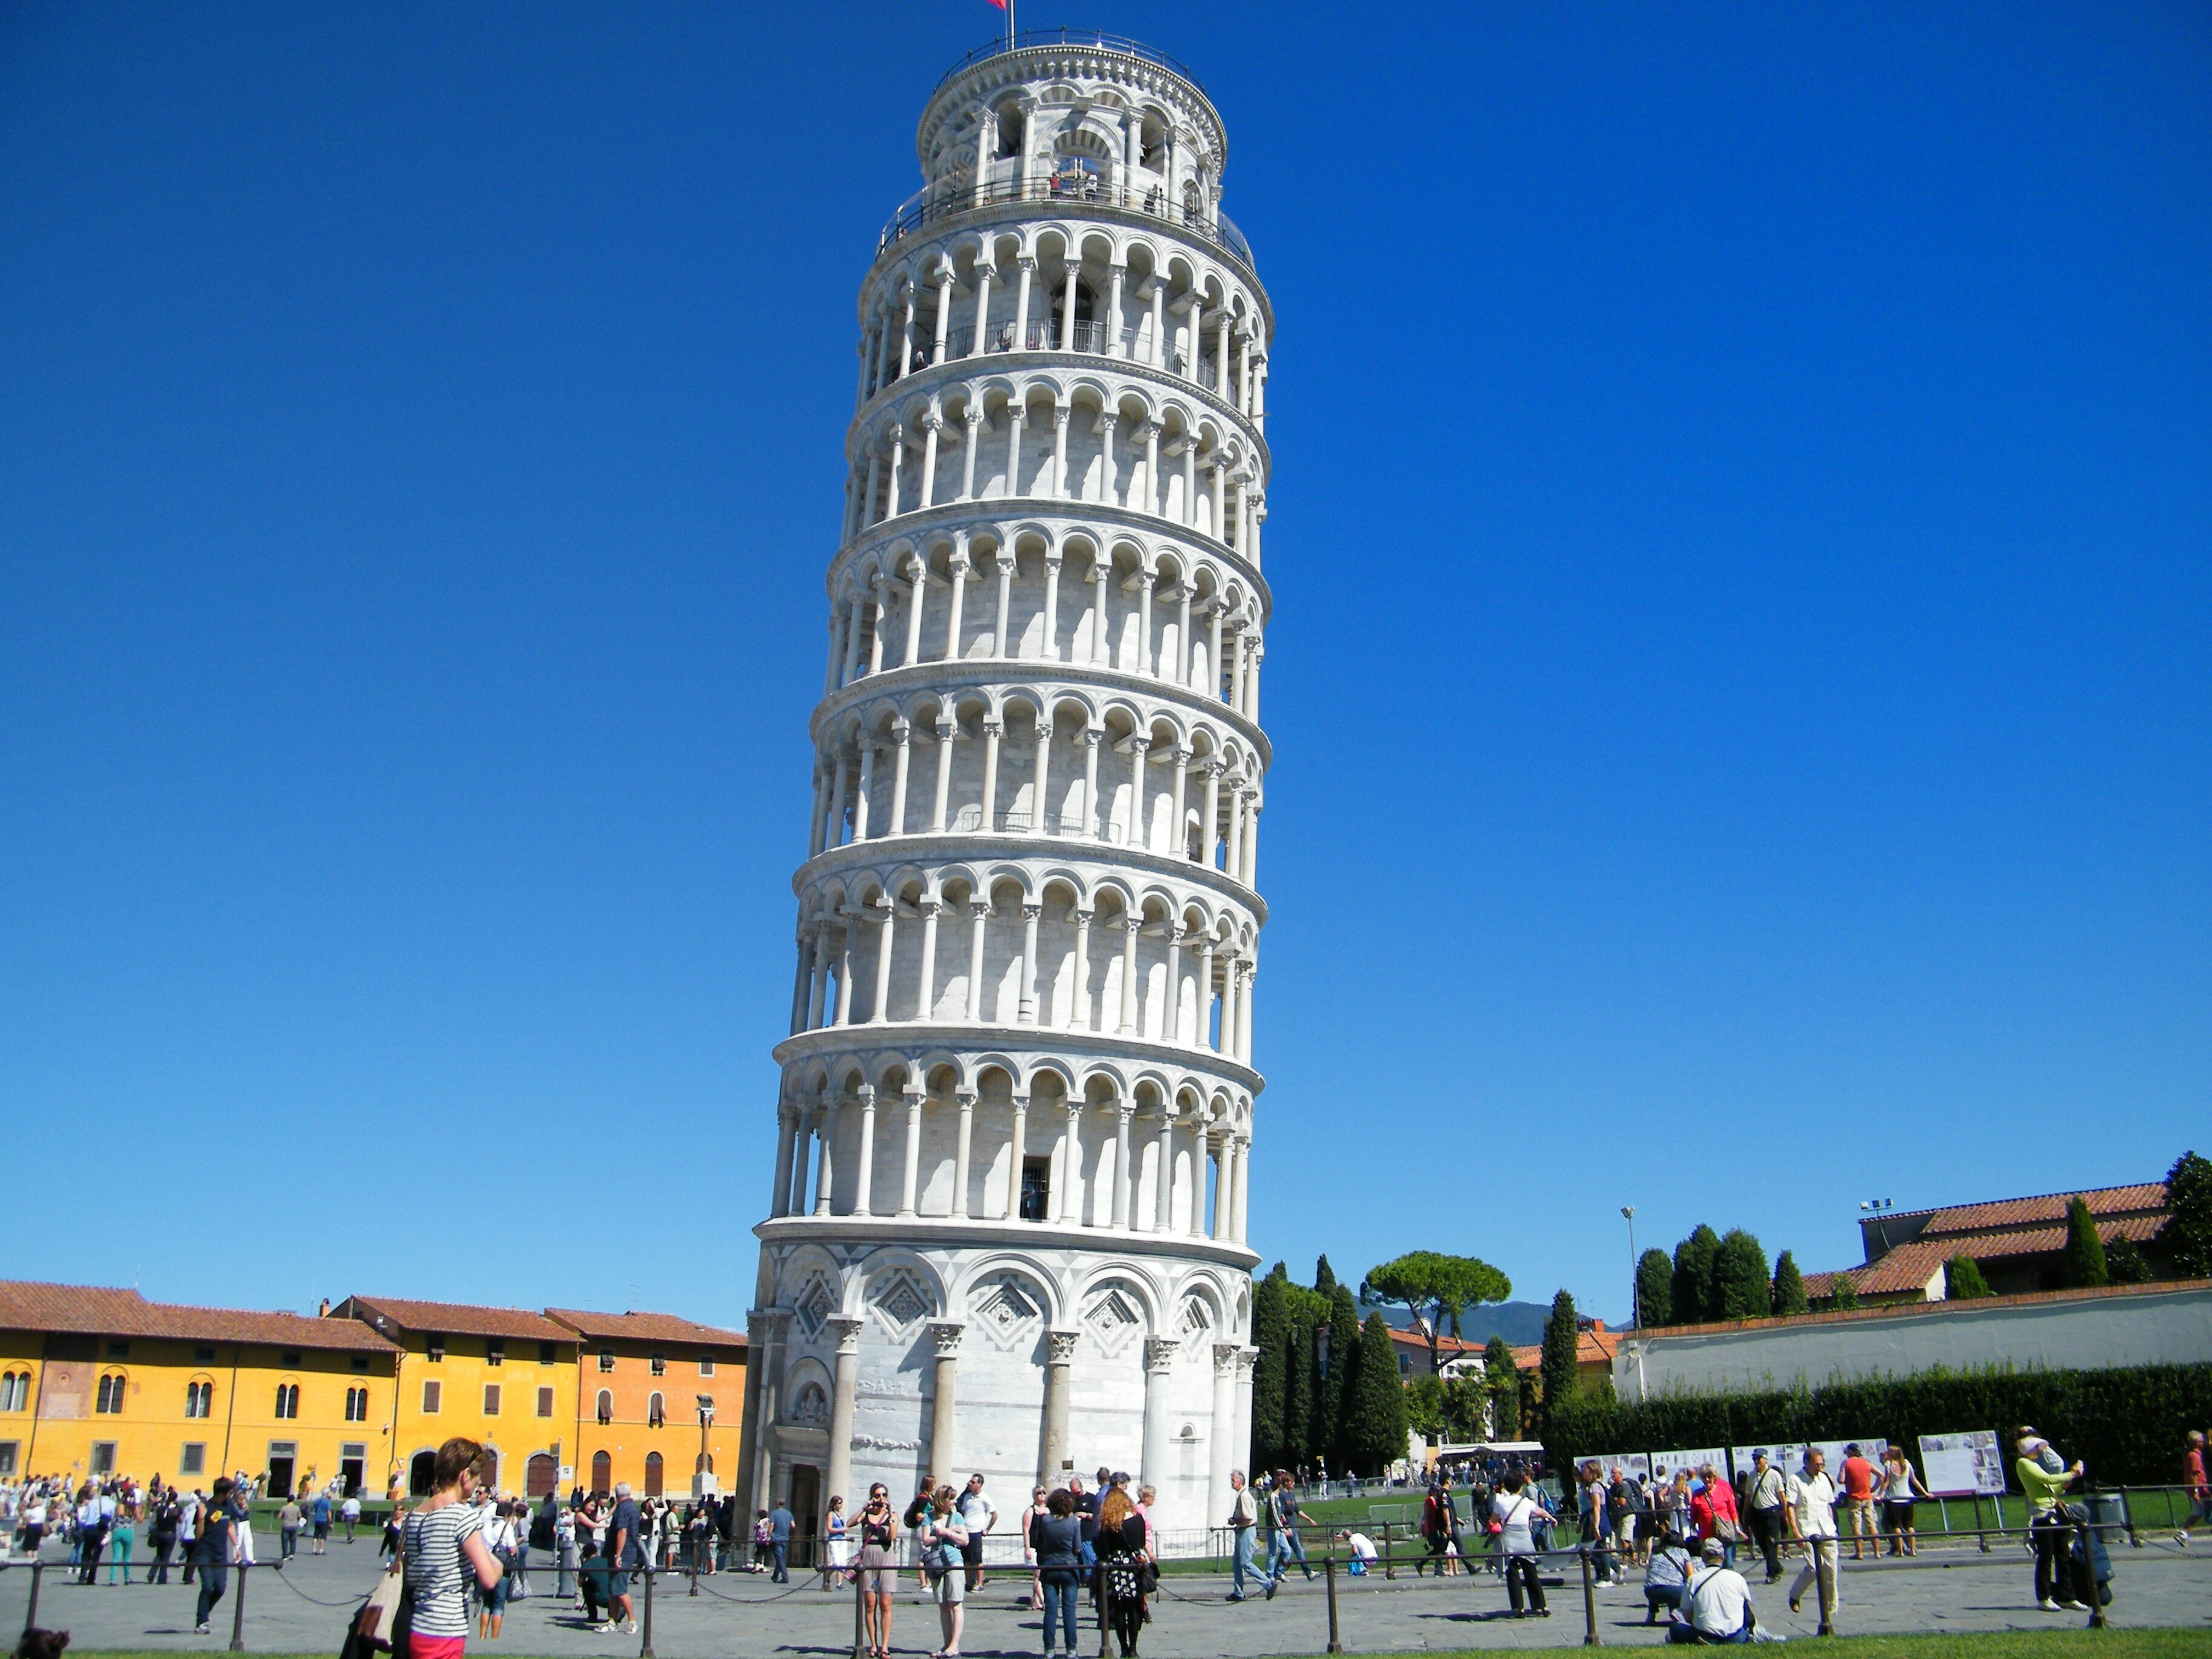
(1693, 1276)
(1963, 1280)
(1435, 1287)
(1741, 1289)
(2187, 1235)
(2085, 1251)
(1788, 1295)
(1376, 1426)
(1556, 1370)
(1655, 1288)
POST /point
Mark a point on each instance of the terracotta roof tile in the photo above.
(2050, 1207)
(455, 1318)
(98, 1311)
(645, 1328)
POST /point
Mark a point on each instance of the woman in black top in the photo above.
(879, 1529)
(1057, 1538)
(1121, 1567)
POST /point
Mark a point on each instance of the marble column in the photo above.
(1054, 1462)
(945, 1334)
(1160, 1361)
(840, 1472)
(1221, 1432)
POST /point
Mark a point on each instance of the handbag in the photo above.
(1725, 1529)
(374, 1625)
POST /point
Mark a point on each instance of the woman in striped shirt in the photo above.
(445, 1544)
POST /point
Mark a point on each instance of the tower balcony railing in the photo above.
(1096, 339)
(1075, 187)
(1039, 39)
(969, 821)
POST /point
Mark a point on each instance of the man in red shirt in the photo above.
(2200, 1494)
(1858, 1501)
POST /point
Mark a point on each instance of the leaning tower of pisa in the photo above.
(1006, 1231)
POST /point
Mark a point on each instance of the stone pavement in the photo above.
(737, 1613)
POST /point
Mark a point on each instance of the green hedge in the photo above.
(2129, 1426)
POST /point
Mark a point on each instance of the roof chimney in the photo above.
(324, 1312)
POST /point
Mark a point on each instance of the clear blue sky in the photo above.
(1739, 674)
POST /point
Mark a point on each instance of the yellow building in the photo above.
(501, 1376)
(94, 1381)
(647, 1381)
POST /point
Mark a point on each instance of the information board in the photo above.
(1962, 1465)
(1664, 1464)
(1635, 1463)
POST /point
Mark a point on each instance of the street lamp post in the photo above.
(1635, 1302)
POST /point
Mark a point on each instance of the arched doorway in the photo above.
(652, 1472)
(603, 1471)
(488, 1476)
(540, 1475)
(422, 1472)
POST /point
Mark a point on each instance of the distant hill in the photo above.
(1521, 1323)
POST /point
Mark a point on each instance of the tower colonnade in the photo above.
(1006, 1229)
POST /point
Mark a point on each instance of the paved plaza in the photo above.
(738, 1613)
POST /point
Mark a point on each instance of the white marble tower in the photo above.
(1007, 1233)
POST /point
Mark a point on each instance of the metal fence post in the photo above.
(31, 1612)
(1105, 1584)
(651, 1573)
(1390, 1568)
(1981, 1536)
(1328, 1571)
(238, 1612)
(2097, 1620)
(860, 1616)
(1589, 1603)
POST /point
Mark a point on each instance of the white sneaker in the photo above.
(2048, 1604)
(630, 1628)
(2182, 1538)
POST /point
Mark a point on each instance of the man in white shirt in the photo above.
(1716, 1601)
(1810, 1513)
(979, 1516)
(1363, 1551)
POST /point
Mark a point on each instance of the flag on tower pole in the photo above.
(1007, 7)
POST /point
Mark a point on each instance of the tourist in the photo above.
(287, 1531)
(2044, 1478)
(917, 1516)
(349, 1512)
(1517, 1541)
(1713, 1506)
(1086, 1514)
(624, 1549)
(1596, 1528)
(779, 1523)
(445, 1550)
(1362, 1553)
(591, 1588)
(2200, 1493)
(1716, 1604)
(1810, 1514)
(213, 1553)
(1243, 1515)
(1036, 1512)
(1058, 1537)
(1666, 1576)
(161, 1521)
(1858, 1501)
(837, 1549)
(978, 1517)
(121, 1537)
(318, 1517)
(1123, 1559)
(878, 1528)
(1284, 1543)
(1437, 1517)
(942, 1536)
(89, 1535)
(1763, 1499)
(1147, 1500)
(1900, 1482)
(33, 1517)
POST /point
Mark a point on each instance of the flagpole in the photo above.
(1010, 25)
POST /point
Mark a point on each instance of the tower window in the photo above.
(1036, 1187)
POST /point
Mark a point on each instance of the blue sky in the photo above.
(1739, 675)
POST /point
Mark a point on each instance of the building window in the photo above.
(361, 1362)
(549, 1353)
(356, 1405)
(437, 1347)
(109, 1401)
(199, 1399)
(119, 1351)
(603, 1471)
(656, 1411)
(545, 1402)
(8, 1450)
(103, 1457)
(494, 1350)
(706, 1366)
(291, 1360)
(661, 1364)
(192, 1460)
(288, 1400)
(430, 1391)
(491, 1400)
(14, 1391)
(606, 1359)
(203, 1356)
(606, 1411)
(1037, 1188)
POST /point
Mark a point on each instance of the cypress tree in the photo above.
(1740, 1287)
(1344, 1342)
(2085, 1251)
(1655, 1289)
(1963, 1280)
(1377, 1424)
(1502, 1381)
(1789, 1286)
(1693, 1276)
(1556, 1371)
(1297, 1394)
(1324, 1279)
(1270, 1334)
